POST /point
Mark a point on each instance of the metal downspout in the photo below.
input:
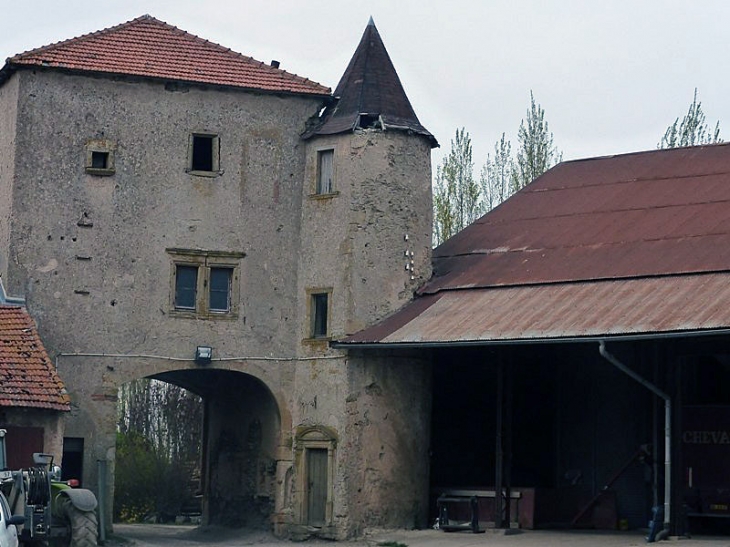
(667, 428)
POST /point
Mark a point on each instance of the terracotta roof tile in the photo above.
(151, 48)
(27, 376)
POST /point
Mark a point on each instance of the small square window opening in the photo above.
(99, 160)
(325, 172)
(319, 312)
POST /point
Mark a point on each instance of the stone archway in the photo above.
(241, 437)
(246, 463)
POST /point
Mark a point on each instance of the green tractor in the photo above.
(55, 512)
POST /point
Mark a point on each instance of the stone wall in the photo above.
(93, 255)
(8, 118)
(386, 453)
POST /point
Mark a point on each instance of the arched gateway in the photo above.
(244, 462)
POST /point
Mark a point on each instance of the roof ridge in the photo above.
(156, 39)
(651, 151)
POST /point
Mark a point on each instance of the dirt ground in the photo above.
(157, 535)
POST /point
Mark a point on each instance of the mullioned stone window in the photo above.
(204, 283)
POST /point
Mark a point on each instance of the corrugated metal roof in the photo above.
(151, 48)
(623, 245)
(27, 376)
(678, 304)
(651, 213)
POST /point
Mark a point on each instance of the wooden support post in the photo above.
(499, 452)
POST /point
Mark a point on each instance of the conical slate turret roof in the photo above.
(370, 94)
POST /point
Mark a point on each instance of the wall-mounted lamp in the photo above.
(203, 355)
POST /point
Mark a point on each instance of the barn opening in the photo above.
(581, 444)
(549, 423)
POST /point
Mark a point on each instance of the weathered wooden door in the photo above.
(316, 486)
(20, 443)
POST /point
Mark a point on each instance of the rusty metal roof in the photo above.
(681, 304)
(650, 213)
(148, 47)
(629, 244)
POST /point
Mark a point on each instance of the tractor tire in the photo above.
(83, 524)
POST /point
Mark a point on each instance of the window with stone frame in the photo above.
(99, 159)
(319, 312)
(204, 155)
(325, 172)
(204, 283)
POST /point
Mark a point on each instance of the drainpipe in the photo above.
(667, 431)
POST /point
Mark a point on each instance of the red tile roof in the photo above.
(27, 375)
(151, 48)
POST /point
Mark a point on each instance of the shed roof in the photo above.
(148, 47)
(27, 375)
(618, 245)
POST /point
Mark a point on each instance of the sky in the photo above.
(610, 75)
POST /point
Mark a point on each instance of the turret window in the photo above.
(319, 313)
(325, 172)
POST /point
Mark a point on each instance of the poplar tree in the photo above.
(496, 175)
(459, 199)
(692, 130)
(456, 193)
(536, 152)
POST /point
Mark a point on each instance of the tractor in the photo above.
(55, 512)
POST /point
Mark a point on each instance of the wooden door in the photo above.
(316, 486)
(20, 443)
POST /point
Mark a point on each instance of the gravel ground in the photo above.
(157, 535)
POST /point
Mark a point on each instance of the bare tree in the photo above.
(158, 447)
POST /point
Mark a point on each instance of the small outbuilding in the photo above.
(33, 398)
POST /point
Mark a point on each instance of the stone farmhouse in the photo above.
(175, 210)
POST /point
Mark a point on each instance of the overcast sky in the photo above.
(611, 75)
